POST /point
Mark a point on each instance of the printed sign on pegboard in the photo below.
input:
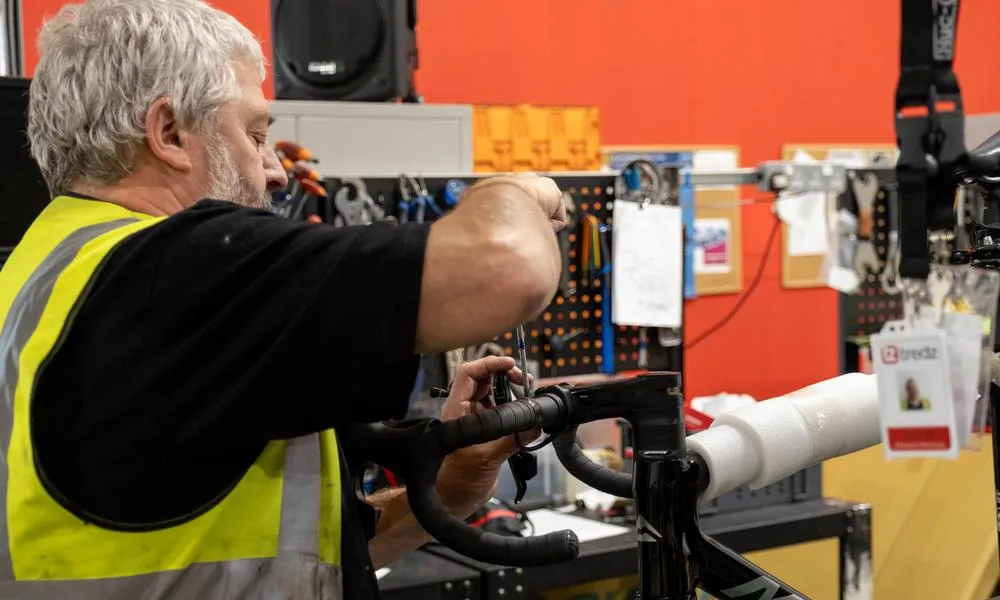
(713, 246)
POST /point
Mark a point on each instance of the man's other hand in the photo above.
(468, 476)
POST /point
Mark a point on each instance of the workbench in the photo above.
(743, 531)
(423, 575)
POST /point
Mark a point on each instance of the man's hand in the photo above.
(468, 476)
(542, 190)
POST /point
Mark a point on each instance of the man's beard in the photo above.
(227, 183)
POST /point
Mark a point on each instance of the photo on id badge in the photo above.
(913, 395)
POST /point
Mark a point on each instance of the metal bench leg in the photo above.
(856, 555)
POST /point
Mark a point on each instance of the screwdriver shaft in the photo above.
(523, 359)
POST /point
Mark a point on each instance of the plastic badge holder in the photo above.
(960, 301)
(838, 268)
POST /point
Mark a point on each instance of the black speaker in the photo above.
(344, 49)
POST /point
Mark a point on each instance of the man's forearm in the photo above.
(398, 531)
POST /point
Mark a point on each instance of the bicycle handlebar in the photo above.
(557, 411)
(544, 411)
(827, 419)
(597, 476)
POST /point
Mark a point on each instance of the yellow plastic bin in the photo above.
(536, 138)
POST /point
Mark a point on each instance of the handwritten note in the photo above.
(647, 272)
(805, 215)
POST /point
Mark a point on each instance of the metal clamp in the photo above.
(783, 176)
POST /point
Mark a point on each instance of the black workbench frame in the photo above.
(743, 531)
(423, 575)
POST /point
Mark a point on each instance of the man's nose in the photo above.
(274, 173)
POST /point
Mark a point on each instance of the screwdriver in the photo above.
(523, 358)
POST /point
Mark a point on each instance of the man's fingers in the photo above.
(471, 375)
(482, 368)
(517, 376)
(462, 387)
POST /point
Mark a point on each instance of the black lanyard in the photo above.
(929, 126)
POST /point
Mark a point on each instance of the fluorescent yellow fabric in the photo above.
(46, 542)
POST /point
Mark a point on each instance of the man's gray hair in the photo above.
(103, 64)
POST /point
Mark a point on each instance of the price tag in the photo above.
(916, 398)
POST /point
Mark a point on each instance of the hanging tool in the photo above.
(643, 361)
(310, 189)
(293, 158)
(294, 152)
(864, 187)
(640, 181)
(423, 199)
(359, 210)
(302, 171)
(415, 197)
(567, 285)
(590, 249)
(299, 175)
(607, 327)
(558, 342)
(405, 206)
(453, 190)
(281, 198)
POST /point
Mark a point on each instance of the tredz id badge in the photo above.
(916, 402)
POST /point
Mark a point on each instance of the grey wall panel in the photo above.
(361, 138)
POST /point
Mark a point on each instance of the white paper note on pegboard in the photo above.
(647, 265)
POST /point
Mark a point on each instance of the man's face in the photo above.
(911, 389)
(242, 165)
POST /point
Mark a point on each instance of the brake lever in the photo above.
(523, 464)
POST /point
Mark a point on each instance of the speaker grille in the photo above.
(329, 43)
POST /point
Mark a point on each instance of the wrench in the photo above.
(361, 210)
(865, 187)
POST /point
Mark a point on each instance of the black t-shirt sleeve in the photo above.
(214, 331)
(284, 327)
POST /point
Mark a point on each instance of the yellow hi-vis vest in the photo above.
(275, 536)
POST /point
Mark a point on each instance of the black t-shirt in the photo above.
(209, 334)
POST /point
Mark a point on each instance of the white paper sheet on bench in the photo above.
(547, 521)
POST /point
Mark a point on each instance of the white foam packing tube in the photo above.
(774, 439)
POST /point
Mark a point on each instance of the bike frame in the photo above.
(675, 557)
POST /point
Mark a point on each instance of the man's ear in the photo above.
(164, 137)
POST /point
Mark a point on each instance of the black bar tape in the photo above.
(507, 419)
(596, 476)
(552, 548)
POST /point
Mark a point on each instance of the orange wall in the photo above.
(755, 74)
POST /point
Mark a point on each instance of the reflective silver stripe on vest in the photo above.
(295, 573)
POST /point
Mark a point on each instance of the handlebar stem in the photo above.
(651, 403)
